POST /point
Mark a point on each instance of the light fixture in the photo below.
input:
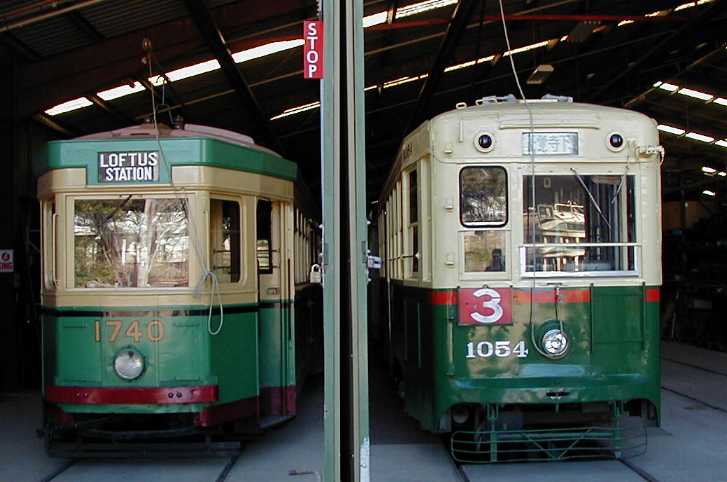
(707, 192)
(721, 101)
(721, 143)
(555, 343)
(129, 364)
(722, 174)
(709, 170)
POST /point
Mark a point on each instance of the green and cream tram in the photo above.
(175, 290)
(522, 271)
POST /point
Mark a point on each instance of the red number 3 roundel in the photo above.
(485, 306)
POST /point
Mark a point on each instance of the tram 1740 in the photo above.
(175, 288)
(522, 248)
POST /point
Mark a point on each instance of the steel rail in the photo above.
(696, 367)
(638, 470)
(59, 471)
(694, 399)
(227, 469)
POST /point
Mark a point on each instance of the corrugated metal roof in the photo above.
(117, 18)
(52, 36)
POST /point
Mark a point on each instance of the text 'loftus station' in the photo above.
(136, 166)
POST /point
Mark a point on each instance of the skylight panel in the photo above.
(696, 94)
(421, 7)
(264, 50)
(666, 86)
(120, 91)
(186, 72)
(297, 110)
(375, 19)
(526, 48)
(404, 80)
(670, 129)
(684, 6)
(69, 106)
(699, 137)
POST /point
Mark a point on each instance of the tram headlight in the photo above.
(615, 141)
(555, 343)
(129, 364)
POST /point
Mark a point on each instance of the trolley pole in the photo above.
(345, 248)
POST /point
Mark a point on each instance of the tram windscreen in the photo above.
(131, 242)
(595, 210)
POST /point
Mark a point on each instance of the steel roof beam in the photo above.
(256, 121)
(675, 38)
(56, 125)
(457, 26)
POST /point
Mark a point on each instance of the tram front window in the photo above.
(131, 242)
(596, 211)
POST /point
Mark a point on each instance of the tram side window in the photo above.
(414, 222)
(264, 236)
(225, 240)
(131, 242)
(597, 210)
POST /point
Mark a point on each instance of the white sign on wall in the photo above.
(6, 261)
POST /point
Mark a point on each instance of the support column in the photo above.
(345, 277)
(12, 356)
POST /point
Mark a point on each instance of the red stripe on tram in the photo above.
(132, 396)
(448, 297)
(653, 295)
(522, 297)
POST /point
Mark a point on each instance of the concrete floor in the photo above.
(690, 446)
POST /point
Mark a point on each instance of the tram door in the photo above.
(277, 358)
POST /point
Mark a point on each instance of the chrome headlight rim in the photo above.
(564, 342)
(132, 371)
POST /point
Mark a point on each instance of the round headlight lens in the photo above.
(555, 343)
(129, 364)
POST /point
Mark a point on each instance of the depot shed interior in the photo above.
(76, 67)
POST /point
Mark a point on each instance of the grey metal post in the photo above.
(331, 201)
(357, 237)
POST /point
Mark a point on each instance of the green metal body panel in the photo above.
(187, 151)
(277, 345)
(614, 353)
(235, 360)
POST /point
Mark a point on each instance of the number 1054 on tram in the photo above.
(521, 279)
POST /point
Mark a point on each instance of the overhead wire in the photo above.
(532, 207)
(207, 273)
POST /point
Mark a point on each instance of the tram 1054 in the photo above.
(522, 249)
(175, 288)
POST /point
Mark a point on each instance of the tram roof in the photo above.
(183, 146)
(610, 52)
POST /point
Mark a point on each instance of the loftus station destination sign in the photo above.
(135, 166)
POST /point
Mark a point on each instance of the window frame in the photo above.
(634, 246)
(484, 224)
(66, 225)
(241, 229)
